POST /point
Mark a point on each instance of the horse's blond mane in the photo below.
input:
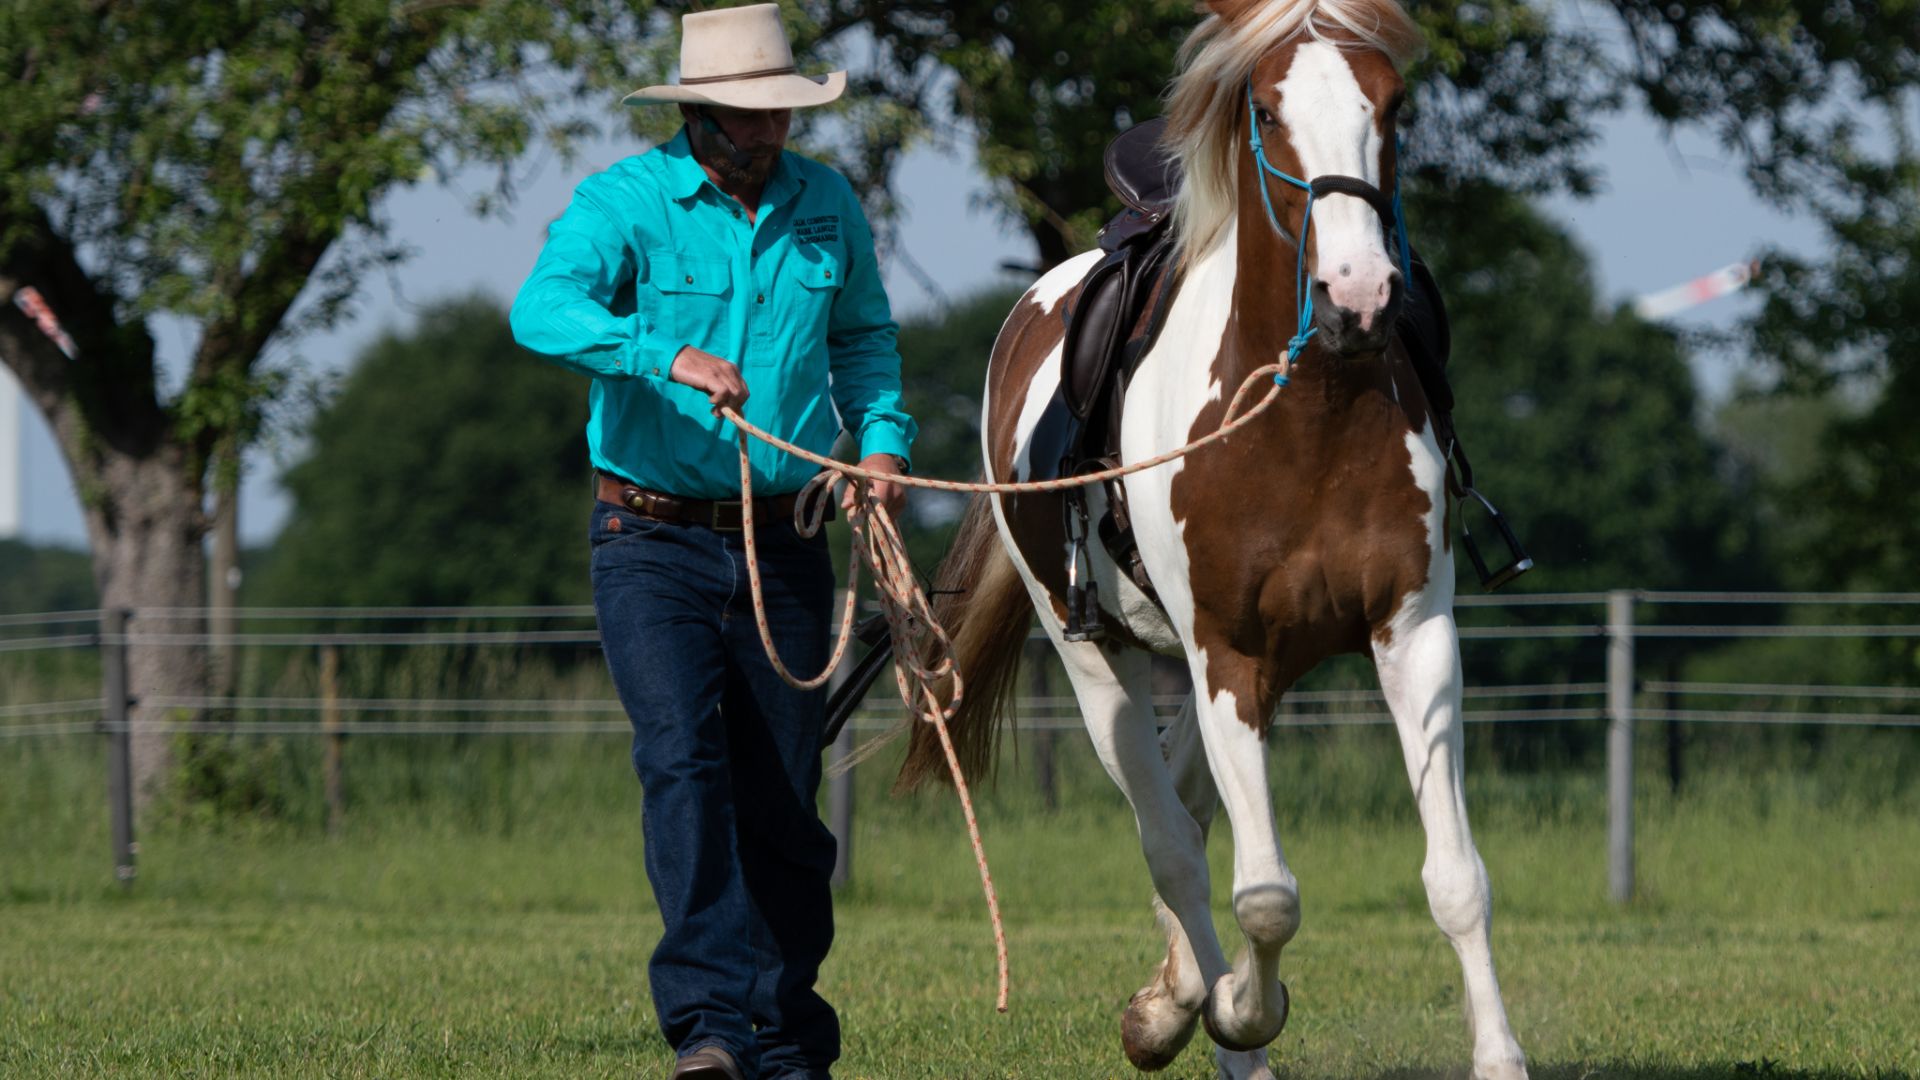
(1214, 64)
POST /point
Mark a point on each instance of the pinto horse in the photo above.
(1320, 528)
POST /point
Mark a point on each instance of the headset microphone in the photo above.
(741, 159)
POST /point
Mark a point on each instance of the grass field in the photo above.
(503, 929)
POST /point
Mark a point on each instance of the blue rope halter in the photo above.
(1303, 296)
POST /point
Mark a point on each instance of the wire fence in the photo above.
(1616, 619)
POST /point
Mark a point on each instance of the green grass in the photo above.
(501, 927)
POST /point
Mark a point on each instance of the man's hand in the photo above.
(710, 375)
(891, 496)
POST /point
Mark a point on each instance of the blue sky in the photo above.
(1669, 211)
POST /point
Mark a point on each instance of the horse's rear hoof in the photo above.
(1154, 1030)
(1243, 1040)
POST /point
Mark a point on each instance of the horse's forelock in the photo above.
(1215, 62)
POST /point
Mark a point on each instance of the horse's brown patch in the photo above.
(1035, 522)
(1383, 87)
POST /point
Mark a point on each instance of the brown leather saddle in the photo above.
(1105, 334)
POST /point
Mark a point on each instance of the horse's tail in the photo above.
(982, 604)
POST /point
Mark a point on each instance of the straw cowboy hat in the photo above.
(739, 58)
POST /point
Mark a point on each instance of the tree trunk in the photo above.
(145, 522)
(1050, 245)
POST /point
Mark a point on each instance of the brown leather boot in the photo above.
(708, 1063)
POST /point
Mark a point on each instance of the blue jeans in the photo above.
(728, 757)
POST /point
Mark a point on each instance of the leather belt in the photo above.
(719, 515)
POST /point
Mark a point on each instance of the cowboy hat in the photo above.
(739, 58)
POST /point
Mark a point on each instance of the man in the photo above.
(719, 270)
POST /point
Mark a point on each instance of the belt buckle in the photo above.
(713, 518)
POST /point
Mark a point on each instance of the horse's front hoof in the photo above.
(1154, 1030)
(1252, 1033)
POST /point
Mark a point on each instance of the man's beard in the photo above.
(756, 171)
(735, 166)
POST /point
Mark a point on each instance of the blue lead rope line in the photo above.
(1305, 330)
(1303, 296)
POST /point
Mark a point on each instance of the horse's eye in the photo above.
(1266, 118)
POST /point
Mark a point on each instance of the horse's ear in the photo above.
(1229, 11)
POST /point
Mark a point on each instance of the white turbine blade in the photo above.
(1669, 302)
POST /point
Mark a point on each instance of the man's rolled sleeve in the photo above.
(563, 310)
(863, 352)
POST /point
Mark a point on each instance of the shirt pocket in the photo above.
(693, 299)
(811, 282)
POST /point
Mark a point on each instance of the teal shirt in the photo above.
(651, 256)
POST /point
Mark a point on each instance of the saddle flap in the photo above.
(1140, 171)
(1087, 354)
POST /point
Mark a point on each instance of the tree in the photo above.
(448, 470)
(1041, 87)
(223, 164)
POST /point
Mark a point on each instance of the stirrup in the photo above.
(1519, 561)
(1083, 599)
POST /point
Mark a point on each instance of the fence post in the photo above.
(1620, 686)
(333, 775)
(840, 789)
(113, 675)
(1043, 734)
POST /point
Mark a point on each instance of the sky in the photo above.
(1669, 210)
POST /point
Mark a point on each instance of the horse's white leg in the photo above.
(1247, 1007)
(1114, 692)
(1186, 756)
(1419, 665)
(1114, 695)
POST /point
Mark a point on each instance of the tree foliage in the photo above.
(219, 162)
(1583, 423)
(37, 578)
(224, 164)
(448, 470)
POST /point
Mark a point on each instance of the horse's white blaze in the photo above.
(1059, 281)
(1331, 124)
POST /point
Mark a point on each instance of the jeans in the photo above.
(728, 757)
